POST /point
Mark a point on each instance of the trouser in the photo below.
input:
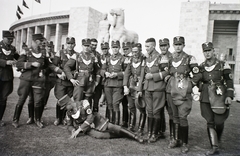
(97, 96)
(50, 83)
(6, 88)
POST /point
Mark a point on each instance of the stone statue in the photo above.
(103, 30)
(119, 32)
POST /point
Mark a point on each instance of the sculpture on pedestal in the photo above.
(103, 29)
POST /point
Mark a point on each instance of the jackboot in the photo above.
(150, 126)
(184, 135)
(64, 112)
(142, 120)
(37, 111)
(174, 143)
(111, 116)
(107, 113)
(117, 117)
(155, 129)
(162, 124)
(2, 110)
(30, 114)
(132, 121)
(125, 117)
(171, 129)
(58, 121)
(17, 113)
(213, 138)
(129, 134)
(219, 130)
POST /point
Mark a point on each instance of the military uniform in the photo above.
(113, 86)
(7, 53)
(215, 84)
(154, 89)
(181, 88)
(84, 121)
(131, 81)
(32, 80)
(86, 69)
(63, 86)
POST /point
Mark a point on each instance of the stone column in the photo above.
(37, 30)
(23, 37)
(58, 37)
(18, 40)
(29, 36)
(47, 32)
(237, 63)
(210, 31)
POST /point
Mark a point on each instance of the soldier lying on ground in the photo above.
(81, 120)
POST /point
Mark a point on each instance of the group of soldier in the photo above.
(143, 85)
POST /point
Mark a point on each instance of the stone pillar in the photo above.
(23, 37)
(37, 30)
(58, 37)
(210, 31)
(237, 65)
(18, 40)
(29, 36)
(47, 32)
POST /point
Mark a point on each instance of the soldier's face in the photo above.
(7, 41)
(86, 48)
(178, 47)
(115, 50)
(105, 51)
(126, 51)
(164, 48)
(70, 46)
(93, 46)
(208, 54)
(150, 46)
(135, 52)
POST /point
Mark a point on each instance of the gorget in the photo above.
(150, 64)
(6, 52)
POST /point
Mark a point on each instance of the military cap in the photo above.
(50, 44)
(207, 46)
(140, 102)
(105, 45)
(37, 37)
(70, 40)
(150, 40)
(86, 41)
(94, 40)
(178, 40)
(164, 41)
(7, 34)
(126, 45)
(115, 44)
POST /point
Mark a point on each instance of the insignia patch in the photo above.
(89, 111)
(195, 70)
(230, 76)
(166, 68)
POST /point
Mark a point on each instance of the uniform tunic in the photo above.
(113, 86)
(154, 88)
(216, 75)
(181, 86)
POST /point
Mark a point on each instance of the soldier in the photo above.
(8, 57)
(112, 71)
(81, 120)
(86, 76)
(180, 67)
(98, 89)
(164, 46)
(152, 75)
(216, 87)
(32, 62)
(127, 53)
(130, 84)
(63, 86)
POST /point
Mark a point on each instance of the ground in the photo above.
(54, 140)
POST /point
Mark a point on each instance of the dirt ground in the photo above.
(54, 140)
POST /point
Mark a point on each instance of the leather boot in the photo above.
(212, 135)
(2, 110)
(129, 134)
(107, 113)
(171, 129)
(38, 122)
(132, 121)
(150, 124)
(31, 114)
(111, 116)
(64, 112)
(142, 120)
(162, 124)
(184, 135)
(155, 130)
(117, 117)
(17, 113)
(124, 112)
(58, 121)
(176, 135)
(219, 130)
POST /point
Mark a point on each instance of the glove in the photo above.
(76, 132)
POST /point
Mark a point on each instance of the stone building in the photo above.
(77, 22)
(202, 21)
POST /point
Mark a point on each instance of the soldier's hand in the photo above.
(126, 90)
(10, 62)
(113, 75)
(167, 78)
(35, 64)
(139, 94)
(75, 82)
(75, 133)
(228, 101)
(63, 75)
(107, 74)
(148, 76)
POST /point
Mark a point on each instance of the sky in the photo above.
(148, 18)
